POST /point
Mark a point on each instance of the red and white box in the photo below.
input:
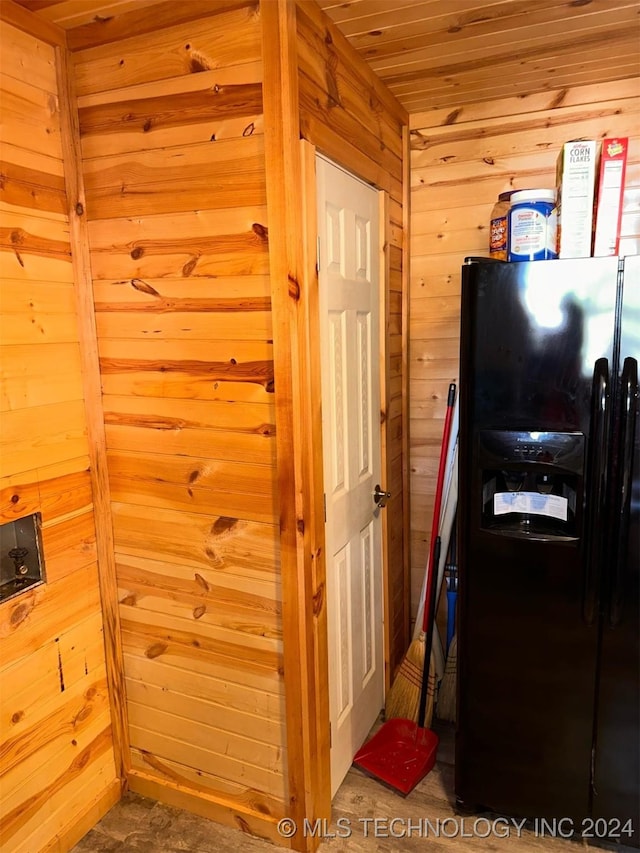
(613, 165)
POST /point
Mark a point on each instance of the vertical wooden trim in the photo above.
(384, 240)
(79, 238)
(293, 442)
(313, 452)
(406, 491)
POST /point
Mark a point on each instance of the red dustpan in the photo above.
(400, 754)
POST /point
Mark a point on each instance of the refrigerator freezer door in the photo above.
(532, 334)
(616, 788)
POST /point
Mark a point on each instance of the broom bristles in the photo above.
(446, 709)
(403, 699)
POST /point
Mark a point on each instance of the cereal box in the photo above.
(613, 163)
(575, 181)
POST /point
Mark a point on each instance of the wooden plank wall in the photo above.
(173, 157)
(461, 159)
(56, 755)
(349, 115)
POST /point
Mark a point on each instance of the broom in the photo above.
(403, 699)
(405, 693)
(447, 692)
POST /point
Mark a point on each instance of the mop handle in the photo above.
(435, 524)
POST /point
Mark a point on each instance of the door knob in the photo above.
(380, 496)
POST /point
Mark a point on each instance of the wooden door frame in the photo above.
(299, 468)
(291, 203)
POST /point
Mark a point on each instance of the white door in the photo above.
(350, 345)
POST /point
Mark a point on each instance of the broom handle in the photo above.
(428, 639)
(435, 524)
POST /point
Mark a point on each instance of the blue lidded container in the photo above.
(532, 226)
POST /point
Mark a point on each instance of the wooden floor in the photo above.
(366, 817)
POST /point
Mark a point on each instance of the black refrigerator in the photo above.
(549, 559)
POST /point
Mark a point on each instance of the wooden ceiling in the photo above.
(430, 53)
(441, 53)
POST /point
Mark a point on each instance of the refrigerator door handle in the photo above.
(596, 488)
(629, 398)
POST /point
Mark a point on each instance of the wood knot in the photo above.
(300, 526)
(201, 582)
(199, 611)
(15, 718)
(294, 287)
(261, 231)
(137, 253)
(189, 267)
(223, 525)
(559, 98)
(318, 600)
(242, 824)
(155, 650)
(143, 287)
(20, 613)
(15, 499)
(83, 714)
(198, 62)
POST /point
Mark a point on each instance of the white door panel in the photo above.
(349, 317)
